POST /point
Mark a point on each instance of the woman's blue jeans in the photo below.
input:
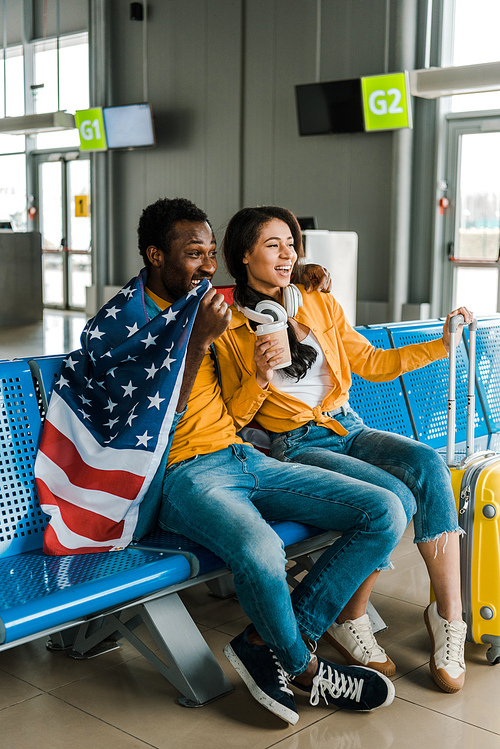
(411, 470)
(222, 501)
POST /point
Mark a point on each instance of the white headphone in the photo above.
(269, 311)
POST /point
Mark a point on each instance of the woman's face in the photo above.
(270, 261)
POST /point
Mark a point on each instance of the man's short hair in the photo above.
(157, 222)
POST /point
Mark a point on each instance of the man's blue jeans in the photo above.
(411, 470)
(222, 501)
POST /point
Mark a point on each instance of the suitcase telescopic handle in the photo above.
(471, 406)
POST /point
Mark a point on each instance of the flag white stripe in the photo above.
(108, 505)
(95, 455)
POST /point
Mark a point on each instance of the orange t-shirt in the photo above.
(206, 426)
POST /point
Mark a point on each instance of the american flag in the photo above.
(109, 419)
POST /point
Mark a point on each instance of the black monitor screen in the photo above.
(309, 222)
(129, 126)
(330, 107)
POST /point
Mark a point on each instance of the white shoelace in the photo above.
(335, 684)
(364, 635)
(455, 642)
(283, 677)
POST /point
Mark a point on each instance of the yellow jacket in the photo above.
(345, 350)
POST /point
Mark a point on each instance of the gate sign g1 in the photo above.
(90, 124)
(386, 102)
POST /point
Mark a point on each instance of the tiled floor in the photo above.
(118, 700)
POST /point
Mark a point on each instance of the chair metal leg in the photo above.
(190, 664)
(192, 667)
(62, 640)
(222, 587)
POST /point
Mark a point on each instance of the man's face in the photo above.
(190, 258)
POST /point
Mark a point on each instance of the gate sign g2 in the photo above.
(386, 102)
(90, 124)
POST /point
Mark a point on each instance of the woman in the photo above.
(304, 407)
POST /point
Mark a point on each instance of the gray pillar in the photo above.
(101, 196)
(403, 34)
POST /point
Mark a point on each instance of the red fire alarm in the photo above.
(443, 205)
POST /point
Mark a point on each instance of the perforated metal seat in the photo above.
(488, 369)
(40, 592)
(44, 370)
(427, 389)
(21, 521)
(381, 405)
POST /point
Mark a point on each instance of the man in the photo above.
(206, 483)
(220, 492)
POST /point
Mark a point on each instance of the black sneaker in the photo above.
(264, 676)
(349, 687)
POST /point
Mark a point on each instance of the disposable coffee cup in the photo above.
(278, 330)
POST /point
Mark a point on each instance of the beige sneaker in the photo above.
(447, 657)
(355, 640)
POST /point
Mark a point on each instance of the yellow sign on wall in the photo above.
(386, 102)
(82, 206)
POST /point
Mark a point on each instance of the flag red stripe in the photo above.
(52, 545)
(97, 527)
(61, 450)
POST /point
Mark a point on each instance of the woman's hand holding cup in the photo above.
(268, 355)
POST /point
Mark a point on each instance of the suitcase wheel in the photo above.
(493, 655)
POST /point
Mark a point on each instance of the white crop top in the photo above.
(313, 388)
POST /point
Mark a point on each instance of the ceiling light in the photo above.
(431, 83)
(31, 124)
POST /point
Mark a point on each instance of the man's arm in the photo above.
(212, 319)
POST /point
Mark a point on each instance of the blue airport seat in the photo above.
(44, 370)
(381, 405)
(427, 389)
(22, 522)
(488, 369)
(44, 593)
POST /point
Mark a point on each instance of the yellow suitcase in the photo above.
(476, 485)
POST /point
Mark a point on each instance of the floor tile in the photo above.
(136, 698)
(401, 726)
(59, 333)
(405, 546)
(207, 609)
(409, 580)
(48, 670)
(476, 703)
(45, 722)
(139, 700)
(13, 690)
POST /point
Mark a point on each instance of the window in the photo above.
(73, 91)
(475, 40)
(12, 158)
(13, 190)
(478, 198)
(12, 97)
